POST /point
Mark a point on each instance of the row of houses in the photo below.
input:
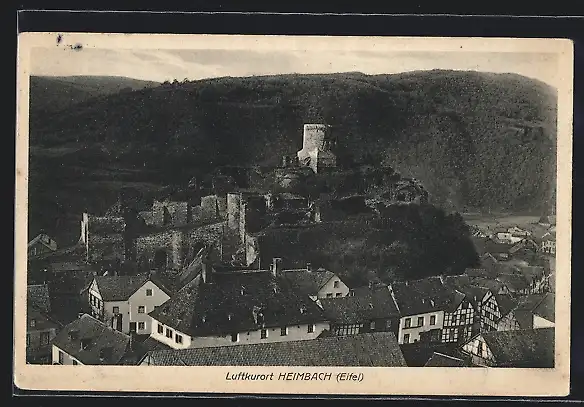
(226, 307)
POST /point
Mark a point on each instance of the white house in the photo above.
(123, 302)
(236, 307)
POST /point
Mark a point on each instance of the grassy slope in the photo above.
(452, 130)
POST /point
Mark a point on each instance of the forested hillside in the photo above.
(476, 141)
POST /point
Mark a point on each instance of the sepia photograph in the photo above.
(287, 214)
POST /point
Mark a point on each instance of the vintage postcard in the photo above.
(293, 214)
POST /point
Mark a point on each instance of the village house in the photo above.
(524, 348)
(316, 284)
(536, 311)
(40, 327)
(424, 306)
(379, 349)
(123, 302)
(226, 305)
(87, 341)
(41, 244)
(493, 308)
(373, 311)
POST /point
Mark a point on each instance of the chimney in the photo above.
(276, 266)
(308, 267)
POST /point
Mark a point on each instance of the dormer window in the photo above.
(105, 353)
(32, 323)
(242, 291)
(85, 343)
(229, 316)
(73, 335)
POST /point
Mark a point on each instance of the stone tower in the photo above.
(317, 148)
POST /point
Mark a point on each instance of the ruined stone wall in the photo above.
(233, 209)
(178, 244)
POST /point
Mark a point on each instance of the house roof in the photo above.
(236, 301)
(522, 348)
(356, 309)
(37, 295)
(120, 288)
(513, 281)
(308, 282)
(546, 308)
(45, 240)
(441, 360)
(43, 320)
(369, 350)
(528, 306)
(506, 303)
(421, 296)
(101, 338)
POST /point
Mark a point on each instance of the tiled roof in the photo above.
(37, 295)
(101, 338)
(235, 302)
(522, 348)
(369, 350)
(376, 304)
(421, 296)
(441, 360)
(489, 284)
(120, 288)
(513, 281)
(506, 303)
(546, 307)
(42, 320)
(308, 282)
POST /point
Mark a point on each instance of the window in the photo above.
(61, 357)
(27, 339)
(310, 328)
(338, 294)
(75, 362)
(141, 326)
(264, 333)
(116, 310)
(149, 292)
(433, 320)
(160, 329)
(372, 325)
(408, 323)
(168, 333)
(284, 331)
(420, 321)
(234, 337)
(178, 338)
(141, 309)
(44, 338)
(32, 323)
(407, 338)
(329, 295)
(336, 284)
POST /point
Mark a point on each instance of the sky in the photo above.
(168, 64)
